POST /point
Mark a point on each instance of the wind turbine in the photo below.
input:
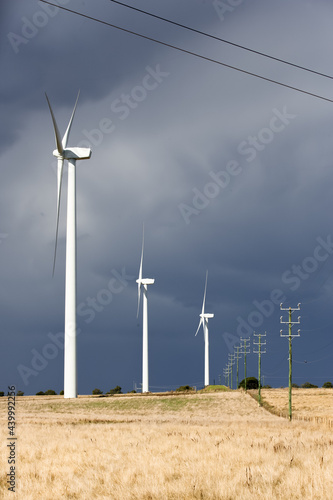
(143, 283)
(204, 322)
(71, 155)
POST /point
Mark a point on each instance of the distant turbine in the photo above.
(143, 283)
(204, 322)
(71, 155)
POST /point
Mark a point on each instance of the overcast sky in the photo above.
(228, 173)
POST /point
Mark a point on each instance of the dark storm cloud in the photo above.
(251, 161)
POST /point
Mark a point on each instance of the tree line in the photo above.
(251, 383)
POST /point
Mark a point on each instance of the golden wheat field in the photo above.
(163, 447)
(314, 405)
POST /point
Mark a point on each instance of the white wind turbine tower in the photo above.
(143, 283)
(71, 155)
(204, 322)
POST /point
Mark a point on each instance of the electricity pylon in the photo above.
(237, 358)
(260, 344)
(231, 363)
(226, 372)
(290, 337)
(245, 352)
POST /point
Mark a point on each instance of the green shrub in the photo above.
(50, 392)
(184, 388)
(307, 385)
(1, 394)
(97, 391)
(116, 390)
(328, 385)
(20, 393)
(251, 383)
(40, 393)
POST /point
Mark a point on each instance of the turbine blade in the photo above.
(200, 322)
(59, 183)
(139, 296)
(65, 138)
(56, 130)
(204, 299)
(140, 273)
(141, 261)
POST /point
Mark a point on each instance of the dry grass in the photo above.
(195, 446)
(307, 404)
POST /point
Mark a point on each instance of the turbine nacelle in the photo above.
(207, 315)
(145, 281)
(73, 154)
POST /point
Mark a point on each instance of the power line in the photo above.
(310, 362)
(190, 52)
(208, 35)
